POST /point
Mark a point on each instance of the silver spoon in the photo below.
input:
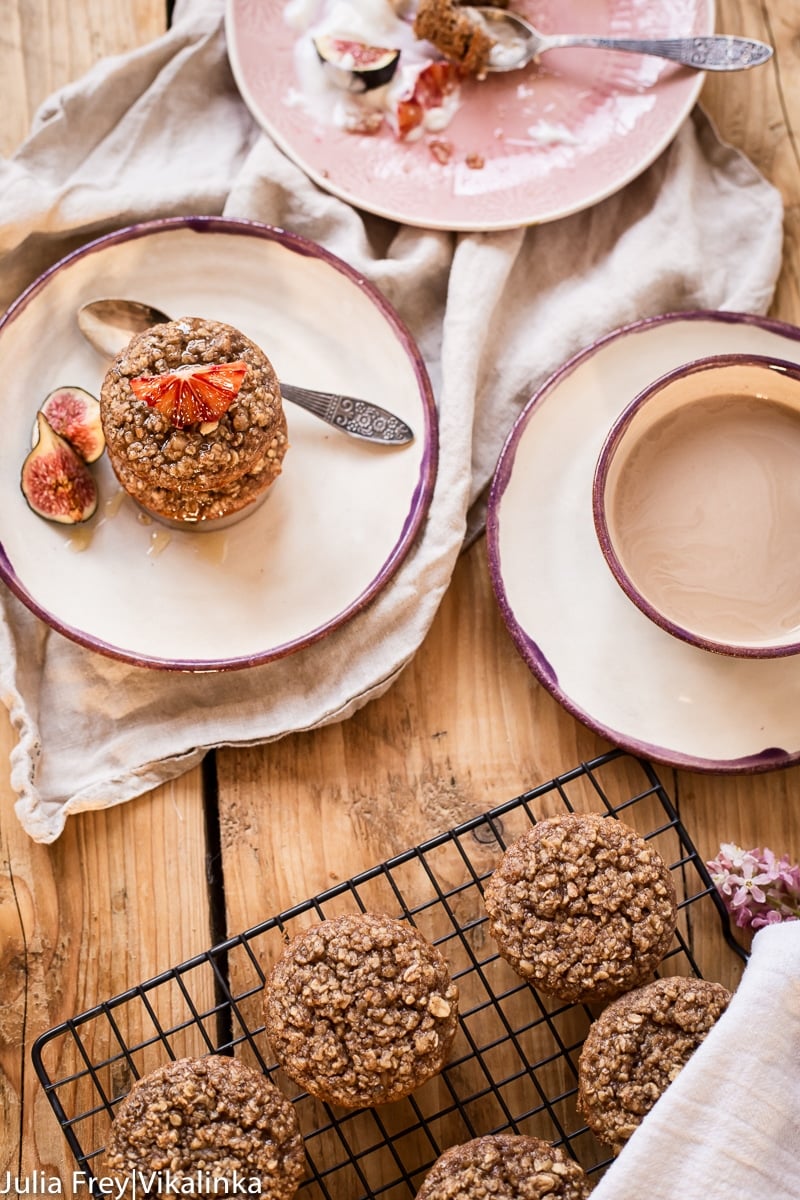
(110, 324)
(519, 43)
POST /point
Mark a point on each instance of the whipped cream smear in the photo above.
(385, 23)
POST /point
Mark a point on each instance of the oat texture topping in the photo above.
(582, 907)
(360, 1010)
(204, 469)
(637, 1046)
(194, 1121)
(505, 1167)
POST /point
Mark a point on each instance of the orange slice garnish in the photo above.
(192, 394)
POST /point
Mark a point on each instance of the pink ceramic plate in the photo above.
(552, 139)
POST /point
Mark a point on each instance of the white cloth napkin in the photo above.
(729, 1125)
(163, 131)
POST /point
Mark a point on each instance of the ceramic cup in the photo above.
(696, 502)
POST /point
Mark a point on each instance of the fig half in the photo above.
(358, 67)
(56, 481)
(75, 415)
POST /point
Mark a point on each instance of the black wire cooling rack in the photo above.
(514, 1062)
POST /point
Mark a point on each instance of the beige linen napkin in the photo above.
(163, 131)
(729, 1125)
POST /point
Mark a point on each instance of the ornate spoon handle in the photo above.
(108, 324)
(359, 418)
(718, 52)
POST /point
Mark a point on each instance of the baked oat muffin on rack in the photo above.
(582, 907)
(505, 1166)
(360, 1010)
(637, 1046)
(196, 1122)
(193, 419)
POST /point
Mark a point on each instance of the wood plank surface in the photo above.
(47, 43)
(466, 726)
(124, 893)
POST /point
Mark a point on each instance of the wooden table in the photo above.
(131, 891)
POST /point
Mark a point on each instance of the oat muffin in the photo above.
(171, 458)
(456, 32)
(637, 1047)
(582, 907)
(505, 1166)
(195, 1121)
(360, 1010)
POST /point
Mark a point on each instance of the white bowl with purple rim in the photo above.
(345, 514)
(696, 504)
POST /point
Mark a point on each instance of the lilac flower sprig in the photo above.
(756, 887)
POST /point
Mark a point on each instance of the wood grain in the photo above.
(47, 43)
(124, 892)
(466, 725)
(81, 921)
(464, 728)
(759, 111)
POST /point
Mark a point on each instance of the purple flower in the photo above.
(773, 917)
(750, 884)
(756, 887)
(789, 875)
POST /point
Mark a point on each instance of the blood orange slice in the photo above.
(433, 85)
(192, 394)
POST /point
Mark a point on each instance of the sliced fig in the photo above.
(75, 415)
(360, 67)
(56, 481)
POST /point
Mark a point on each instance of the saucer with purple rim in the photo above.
(607, 663)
